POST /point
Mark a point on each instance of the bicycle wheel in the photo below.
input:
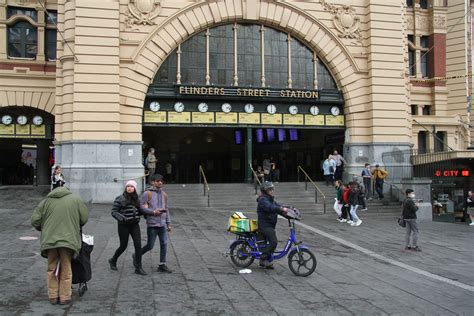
(302, 263)
(240, 254)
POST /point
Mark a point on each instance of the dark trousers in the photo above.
(367, 187)
(125, 230)
(379, 187)
(345, 212)
(152, 233)
(270, 236)
(338, 173)
(329, 179)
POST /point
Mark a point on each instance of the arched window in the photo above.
(252, 66)
(22, 40)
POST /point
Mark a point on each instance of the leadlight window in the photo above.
(249, 55)
(424, 42)
(411, 56)
(276, 58)
(193, 60)
(167, 72)
(221, 55)
(50, 39)
(12, 11)
(301, 65)
(22, 40)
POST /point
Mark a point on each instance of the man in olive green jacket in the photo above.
(59, 217)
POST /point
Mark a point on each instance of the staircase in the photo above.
(241, 197)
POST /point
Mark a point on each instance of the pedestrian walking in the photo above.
(339, 165)
(151, 162)
(361, 195)
(260, 177)
(126, 210)
(470, 206)
(354, 201)
(59, 218)
(367, 180)
(329, 168)
(379, 177)
(338, 200)
(346, 206)
(409, 215)
(156, 200)
(267, 166)
(57, 178)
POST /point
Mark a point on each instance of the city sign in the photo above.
(452, 173)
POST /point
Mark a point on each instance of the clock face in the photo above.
(293, 109)
(21, 120)
(226, 107)
(203, 107)
(314, 110)
(155, 106)
(37, 120)
(179, 107)
(335, 110)
(271, 109)
(249, 108)
(7, 119)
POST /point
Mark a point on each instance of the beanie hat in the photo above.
(131, 183)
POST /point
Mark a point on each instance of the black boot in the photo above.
(113, 264)
(140, 271)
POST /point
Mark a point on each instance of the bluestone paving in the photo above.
(347, 281)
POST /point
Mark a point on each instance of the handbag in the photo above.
(401, 222)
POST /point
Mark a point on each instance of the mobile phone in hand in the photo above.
(163, 211)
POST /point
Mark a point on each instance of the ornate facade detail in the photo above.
(439, 21)
(143, 12)
(345, 20)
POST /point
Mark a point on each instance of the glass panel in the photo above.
(22, 40)
(52, 17)
(422, 144)
(221, 55)
(424, 41)
(193, 60)
(51, 44)
(276, 59)
(439, 141)
(325, 80)
(424, 64)
(249, 55)
(412, 61)
(301, 65)
(22, 11)
(167, 72)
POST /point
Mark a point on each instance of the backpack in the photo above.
(146, 161)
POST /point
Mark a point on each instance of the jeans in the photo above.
(379, 187)
(270, 236)
(338, 208)
(161, 232)
(61, 286)
(412, 229)
(124, 231)
(367, 187)
(354, 216)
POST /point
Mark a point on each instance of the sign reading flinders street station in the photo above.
(209, 105)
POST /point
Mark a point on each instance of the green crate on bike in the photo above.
(239, 223)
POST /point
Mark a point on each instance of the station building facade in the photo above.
(225, 84)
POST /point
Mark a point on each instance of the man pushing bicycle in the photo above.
(268, 210)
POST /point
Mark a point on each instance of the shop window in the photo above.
(426, 110)
(414, 109)
(22, 40)
(13, 11)
(422, 142)
(440, 141)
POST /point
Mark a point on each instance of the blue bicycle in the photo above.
(248, 246)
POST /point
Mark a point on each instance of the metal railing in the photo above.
(256, 180)
(316, 188)
(142, 178)
(203, 180)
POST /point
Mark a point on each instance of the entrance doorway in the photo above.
(223, 151)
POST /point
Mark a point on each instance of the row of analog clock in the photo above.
(22, 120)
(249, 108)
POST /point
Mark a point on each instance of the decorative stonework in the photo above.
(439, 21)
(143, 12)
(345, 20)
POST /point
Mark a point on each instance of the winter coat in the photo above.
(267, 211)
(59, 217)
(326, 167)
(159, 200)
(151, 161)
(409, 209)
(354, 197)
(125, 211)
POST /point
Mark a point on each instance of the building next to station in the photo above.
(224, 84)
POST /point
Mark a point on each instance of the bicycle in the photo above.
(247, 247)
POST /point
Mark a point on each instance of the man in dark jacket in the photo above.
(267, 211)
(409, 215)
(59, 217)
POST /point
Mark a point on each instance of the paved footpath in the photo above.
(361, 270)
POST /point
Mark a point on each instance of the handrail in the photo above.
(256, 178)
(392, 185)
(142, 177)
(206, 185)
(307, 177)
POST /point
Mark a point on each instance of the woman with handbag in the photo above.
(126, 210)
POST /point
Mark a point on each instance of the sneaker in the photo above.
(265, 264)
(113, 264)
(343, 220)
(340, 220)
(140, 271)
(350, 222)
(416, 249)
(364, 209)
(472, 224)
(407, 248)
(54, 301)
(65, 302)
(356, 223)
(163, 268)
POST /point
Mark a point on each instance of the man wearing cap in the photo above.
(379, 176)
(156, 200)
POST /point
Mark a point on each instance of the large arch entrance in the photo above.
(236, 94)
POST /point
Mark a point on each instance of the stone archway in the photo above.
(197, 17)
